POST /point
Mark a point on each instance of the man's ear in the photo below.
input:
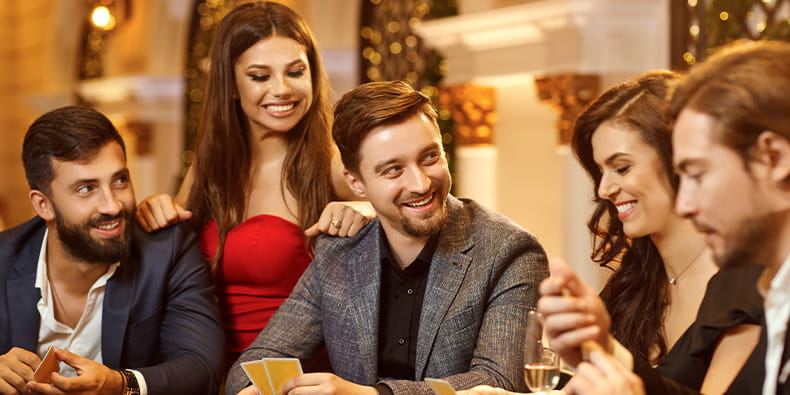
(774, 151)
(355, 184)
(41, 204)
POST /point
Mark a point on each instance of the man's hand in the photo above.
(324, 384)
(342, 219)
(603, 375)
(16, 369)
(572, 313)
(92, 378)
(160, 211)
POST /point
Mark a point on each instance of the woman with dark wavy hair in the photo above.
(665, 301)
(265, 167)
(661, 266)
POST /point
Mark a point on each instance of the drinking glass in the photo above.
(541, 364)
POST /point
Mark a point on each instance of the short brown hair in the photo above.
(372, 105)
(745, 87)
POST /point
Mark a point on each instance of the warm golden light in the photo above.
(694, 30)
(692, 3)
(724, 15)
(102, 18)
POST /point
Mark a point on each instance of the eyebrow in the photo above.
(263, 66)
(81, 181)
(683, 165)
(613, 157)
(381, 165)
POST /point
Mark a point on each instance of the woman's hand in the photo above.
(603, 375)
(342, 219)
(573, 313)
(485, 390)
(160, 211)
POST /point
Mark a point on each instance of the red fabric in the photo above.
(263, 259)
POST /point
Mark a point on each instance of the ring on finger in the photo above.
(337, 223)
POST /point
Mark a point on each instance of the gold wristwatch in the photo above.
(131, 387)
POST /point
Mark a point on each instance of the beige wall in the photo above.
(529, 174)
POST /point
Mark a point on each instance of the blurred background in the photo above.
(508, 76)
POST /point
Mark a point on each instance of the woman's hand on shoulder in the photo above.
(160, 211)
(343, 219)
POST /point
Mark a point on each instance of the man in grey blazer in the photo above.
(433, 287)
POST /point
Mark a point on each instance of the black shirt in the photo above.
(402, 294)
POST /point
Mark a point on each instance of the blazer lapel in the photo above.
(448, 268)
(365, 286)
(115, 312)
(22, 295)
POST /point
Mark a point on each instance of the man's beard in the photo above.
(78, 242)
(746, 245)
(428, 226)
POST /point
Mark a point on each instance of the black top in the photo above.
(731, 299)
(402, 294)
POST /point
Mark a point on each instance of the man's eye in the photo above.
(84, 189)
(390, 171)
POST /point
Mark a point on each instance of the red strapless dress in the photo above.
(263, 259)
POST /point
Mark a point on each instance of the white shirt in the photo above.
(777, 312)
(85, 338)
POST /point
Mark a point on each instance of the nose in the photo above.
(281, 87)
(110, 202)
(607, 189)
(417, 181)
(684, 203)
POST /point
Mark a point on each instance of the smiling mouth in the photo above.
(109, 225)
(280, 107)
(623, 207)
(420, 203)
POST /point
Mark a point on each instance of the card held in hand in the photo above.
(282, 370)
(440, 387)
(49, 364)
(256, 371)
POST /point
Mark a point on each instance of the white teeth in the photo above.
(280, 108)
(109, 226)
(421, 202)
(625, 207)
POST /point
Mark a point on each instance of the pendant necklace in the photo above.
(674, 280)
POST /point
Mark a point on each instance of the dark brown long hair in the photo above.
(222, 166)
(636, 294)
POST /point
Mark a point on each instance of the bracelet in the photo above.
(123, 381)
(130, 383)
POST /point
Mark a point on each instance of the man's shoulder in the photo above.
(167, 244)
(485, 220)
(17, 237)
(333, 246)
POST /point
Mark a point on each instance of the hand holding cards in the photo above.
(269, 375)
(48, 365)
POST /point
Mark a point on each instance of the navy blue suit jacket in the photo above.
(159, 315)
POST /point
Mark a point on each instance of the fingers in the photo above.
(16, 369)
(339, 219)
(160, 211)
(603, 375)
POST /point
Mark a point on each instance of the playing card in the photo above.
(256, 371)
(440, 387)
(47, 365)
(281, 370)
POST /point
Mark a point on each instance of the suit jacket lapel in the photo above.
(448, 268)
(115, 312)
(365, 285)
(22, 296)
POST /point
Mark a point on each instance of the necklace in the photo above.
(674, 280)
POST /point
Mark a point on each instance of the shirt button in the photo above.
(401, 341)
(410, 291)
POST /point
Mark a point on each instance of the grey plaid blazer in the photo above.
(483, 278)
